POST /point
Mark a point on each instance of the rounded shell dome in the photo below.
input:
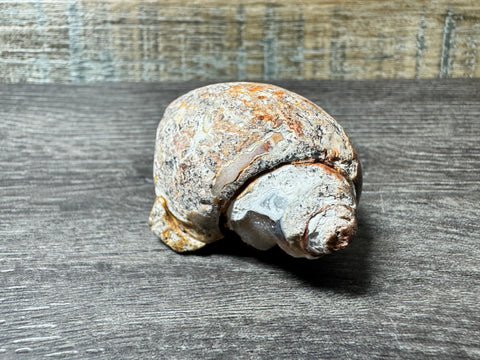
(216, 139)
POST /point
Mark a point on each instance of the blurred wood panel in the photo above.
(139, 40)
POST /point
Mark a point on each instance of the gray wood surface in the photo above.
(81, 275)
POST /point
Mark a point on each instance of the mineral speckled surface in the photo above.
(216, 141)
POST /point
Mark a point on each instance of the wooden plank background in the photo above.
(81, 275)
(140, 40)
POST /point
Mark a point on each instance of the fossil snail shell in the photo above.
(260, 160)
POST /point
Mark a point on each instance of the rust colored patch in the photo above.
(272, 141)
(276, 138)
(172, 225)
(235, 90)
(242, 88)
(306, 161)
(296, 126)
(343, 238)
(336, 241)
(320, 162)
(254, 88)
(330, 170)
(265, 113)
(282, 113)
(267, 117)
(292, 123)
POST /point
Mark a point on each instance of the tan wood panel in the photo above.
(87, 41)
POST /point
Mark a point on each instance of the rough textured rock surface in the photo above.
(213, 140)
(307, 209)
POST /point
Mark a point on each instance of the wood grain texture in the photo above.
(140, 40)
(81, 275)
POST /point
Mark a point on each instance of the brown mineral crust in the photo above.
(172, 231)
(336, 241)
(241, 130)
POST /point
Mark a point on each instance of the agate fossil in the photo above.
(260, 160)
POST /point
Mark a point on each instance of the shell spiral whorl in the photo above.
(280, 168)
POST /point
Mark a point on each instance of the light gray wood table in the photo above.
(83, 277)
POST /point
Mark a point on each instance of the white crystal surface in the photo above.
(300, 207)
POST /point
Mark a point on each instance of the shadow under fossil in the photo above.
(346, 271)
